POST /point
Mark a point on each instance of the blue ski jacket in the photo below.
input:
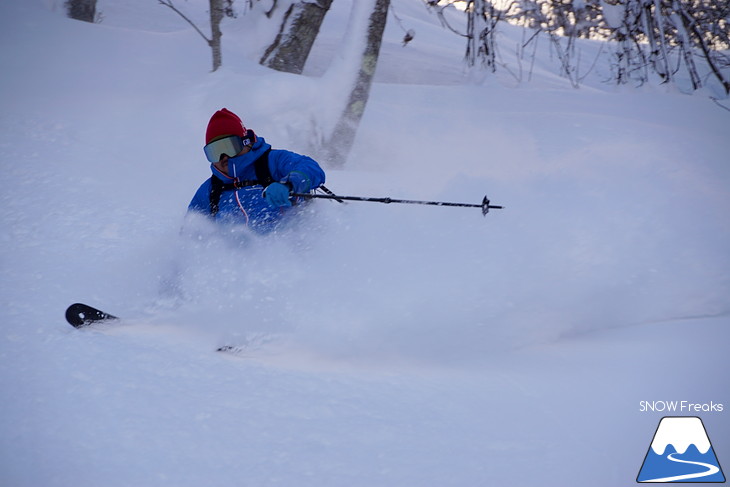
(247, 205)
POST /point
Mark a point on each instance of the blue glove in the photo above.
(277, 194)
(299, 181)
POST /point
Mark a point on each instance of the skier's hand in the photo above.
(277, 194)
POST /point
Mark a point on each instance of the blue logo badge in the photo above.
(680, 452)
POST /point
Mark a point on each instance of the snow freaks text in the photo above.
(687, 407)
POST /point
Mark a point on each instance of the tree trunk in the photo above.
(660, 52)
(691, 27)
(297, 33)
(343, 135)
(216, 15)
(81, 9)
(476, 31)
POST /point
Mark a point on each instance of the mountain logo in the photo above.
(680, 452)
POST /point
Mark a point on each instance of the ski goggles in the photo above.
(229, 146)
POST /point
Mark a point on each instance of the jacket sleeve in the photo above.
(201, 201)
(302, 172)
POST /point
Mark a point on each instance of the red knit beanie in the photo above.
(224, 122)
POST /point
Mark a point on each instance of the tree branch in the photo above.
(168, 3)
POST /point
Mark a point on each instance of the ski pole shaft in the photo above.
(485, 204)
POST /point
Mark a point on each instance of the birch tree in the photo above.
(298, 31)
(337, 146)
(479, 34)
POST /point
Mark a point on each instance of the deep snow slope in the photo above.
(384, 345)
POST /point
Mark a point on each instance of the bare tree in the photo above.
(629, 61)
(297, 34)
(218, 9)
(342, 138)
(704, 34)
(674, 39)
(81, 9)
(676, 34)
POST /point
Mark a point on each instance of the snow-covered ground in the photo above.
(388, 345)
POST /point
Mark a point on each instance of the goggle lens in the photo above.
(229, 146)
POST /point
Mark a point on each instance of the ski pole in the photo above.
(485, 204)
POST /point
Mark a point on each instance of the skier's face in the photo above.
(222, 164)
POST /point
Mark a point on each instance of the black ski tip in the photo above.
(80, 315)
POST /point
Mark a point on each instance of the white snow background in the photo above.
(387, 345)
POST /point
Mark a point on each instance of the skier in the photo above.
(251, 182)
